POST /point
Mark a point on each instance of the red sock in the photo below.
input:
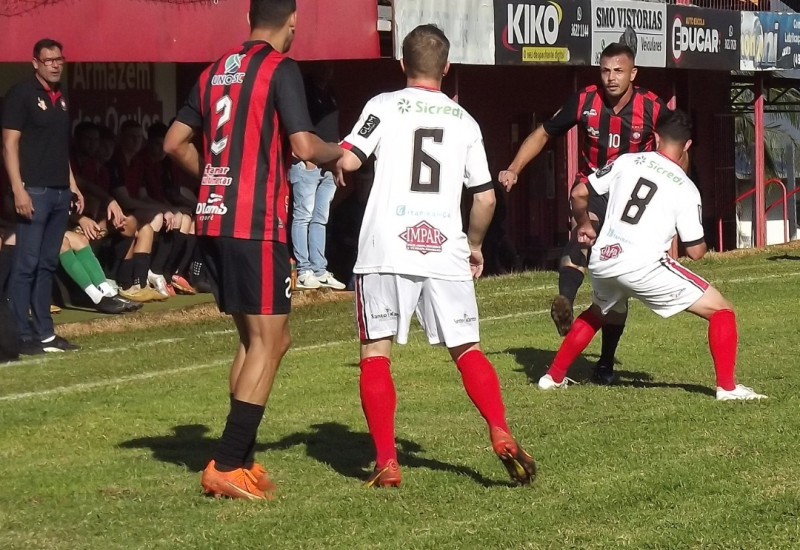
(379, 400)
(722, 339)
(480, 381)
(577, 339)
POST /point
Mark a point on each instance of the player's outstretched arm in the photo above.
(178, 145)
(480, 216)
(529, 149)
(584, 230)
(697, 251)
(307, 146)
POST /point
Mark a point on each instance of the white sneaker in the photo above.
(158, 282)
(740, 392)
(307, 281)
(546, 382)
(329, 281)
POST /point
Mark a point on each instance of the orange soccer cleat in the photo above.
(387, 475)
(520, 465)
(263, 482)
(239, 483)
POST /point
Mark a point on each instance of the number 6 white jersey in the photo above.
(428, 149)
(650, 199)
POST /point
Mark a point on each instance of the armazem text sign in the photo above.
(703, 39)
(640, 25)
(542, 31)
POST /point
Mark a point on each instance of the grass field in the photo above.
(102, 448)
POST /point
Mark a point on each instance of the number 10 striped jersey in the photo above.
(428, 149)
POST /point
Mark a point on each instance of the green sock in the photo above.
(89, 262)
(76, 271)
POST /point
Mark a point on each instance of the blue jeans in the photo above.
(30, 284)
(313, 193)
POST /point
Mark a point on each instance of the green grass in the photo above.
(110, 457)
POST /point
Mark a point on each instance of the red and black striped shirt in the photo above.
(605, 135)
(247, 103)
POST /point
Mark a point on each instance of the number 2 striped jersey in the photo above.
(650, 199)
(428, 148)
(246, 103)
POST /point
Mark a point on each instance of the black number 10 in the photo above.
(421, 157)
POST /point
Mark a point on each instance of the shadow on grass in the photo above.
(783, 257)
(346, 452)
(535, 362)
(350, 453)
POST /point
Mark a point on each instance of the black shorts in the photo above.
(248, 276)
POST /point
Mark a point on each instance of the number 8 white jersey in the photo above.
(650, 199)
(428, 149)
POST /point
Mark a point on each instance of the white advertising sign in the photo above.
(640, 25)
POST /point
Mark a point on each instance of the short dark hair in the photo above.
(618, 48)
(130, 123)
(46, 44)
(425, 51)
(675, 126)
(271, 14)
(157, 130)
(85, 126)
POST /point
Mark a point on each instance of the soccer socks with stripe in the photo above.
(611, 335)
(483, 387)
(74, 268)
(141, 265)
(580, 335)
(723, 339)
(239, 435)
(570, 280)
(379, 402)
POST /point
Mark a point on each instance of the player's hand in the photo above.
(586, 234)
(89, 227)
(337, 169)
(23, 204)
(169, 220)
(508, 179)
(77, 200)
(475, 261)
(115, 214)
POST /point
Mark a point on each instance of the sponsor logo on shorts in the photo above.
(216, 175)
(231, 76)
(387, 314)
(423, 238)
(677, 294)
(212, 207)
(610, 252)
(465, 320)
(369, 126)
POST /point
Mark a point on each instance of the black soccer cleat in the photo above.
(603, 374)
(561, 313)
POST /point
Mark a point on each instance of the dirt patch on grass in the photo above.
(187, 315)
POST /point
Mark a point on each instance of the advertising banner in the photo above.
(640, 25)
(542, 31)
(703, 39)
(770, 41)
(468, 25)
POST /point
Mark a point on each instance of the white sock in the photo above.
(94, 293)
(106, 289)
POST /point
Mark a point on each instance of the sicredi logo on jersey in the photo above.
(423, 107)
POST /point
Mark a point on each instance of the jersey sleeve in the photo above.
(365, 136)
(601, 180)
(290, 98)
(191, 114)
(690, 217)
(476, 176)
(14, 112)
(566, 117)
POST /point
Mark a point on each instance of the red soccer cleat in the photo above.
(387, 475)
(520, 465)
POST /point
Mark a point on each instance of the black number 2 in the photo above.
(636, 206)
(421, 157)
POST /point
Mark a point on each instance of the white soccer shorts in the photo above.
(666, 288)
(447, 310)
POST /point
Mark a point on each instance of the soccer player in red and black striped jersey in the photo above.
(614, 118)
(247, 104)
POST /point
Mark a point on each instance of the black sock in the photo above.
(141, 264)
(121, 247)
(570, 280)
(6, 253)
(178, 244)
(125, 274)
(611, 336)
(239, 435)
(162, 253)
(190, 241)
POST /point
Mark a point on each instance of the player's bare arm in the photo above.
(308, 147)
(529, 150)
(480, 216)
(584, 230)
(697, 251)
(179, 146)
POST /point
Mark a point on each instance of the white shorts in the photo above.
(447, 310)
(666, 288)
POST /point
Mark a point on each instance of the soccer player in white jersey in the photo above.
(651, 199)
(413, 254)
